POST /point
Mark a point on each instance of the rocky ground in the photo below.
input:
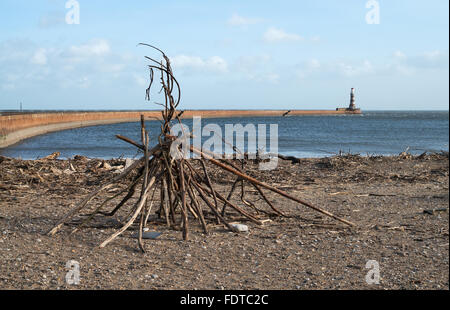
(399, 204)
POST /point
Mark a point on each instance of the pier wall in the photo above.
(14, 128)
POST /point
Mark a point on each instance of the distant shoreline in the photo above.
(18, 126)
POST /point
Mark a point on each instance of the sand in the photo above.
(400, 205)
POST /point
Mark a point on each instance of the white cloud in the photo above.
(398, 63)
(237, 20)
(39, 57)
(340, 68)
(112, 68)
(308, 68)
(213, 64)
(97, 47)
(313, 64)
(141, 81)
(433, 55)
(8, 86)
(431, 60)
(52, 19)
(256, 68)
(270, 77)
(277, 35)
(353, 70)
(80, 66)
(399, 55)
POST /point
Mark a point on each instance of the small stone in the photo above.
(128, 163)
(239, 227)
(56, 171)
(148, 235)
(106, 166)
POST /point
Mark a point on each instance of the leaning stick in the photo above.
(144, 137)
(230, 194)
(267, 200)
(210, 186)
(274, 189)
(210, 205)
(184, 210)
(197, 206)
(241, 211)
(135, 215)
(84, 203)
(147, 215)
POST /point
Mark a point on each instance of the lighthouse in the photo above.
(352, 109)
(352, 105)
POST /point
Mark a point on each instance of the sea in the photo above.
(371, 133)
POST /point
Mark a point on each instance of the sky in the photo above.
(226, 54)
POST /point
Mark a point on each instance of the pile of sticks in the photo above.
(186, 189)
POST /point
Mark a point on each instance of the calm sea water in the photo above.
(372, 133)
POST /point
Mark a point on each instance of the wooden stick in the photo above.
(230, 194)
(208, 180)
(267, 200)
(136, 213)
(145, 141)
(210, 205)
(164, 199)
(269, 187)
(84, 203)
(183, 203)
(241, 211)
(147, 215)
(194, 201)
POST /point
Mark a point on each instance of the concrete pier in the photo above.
(19, 126)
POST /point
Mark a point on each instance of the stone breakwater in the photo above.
(17, 127)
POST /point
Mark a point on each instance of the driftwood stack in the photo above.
(186, 189)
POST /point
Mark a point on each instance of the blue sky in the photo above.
(226, 54)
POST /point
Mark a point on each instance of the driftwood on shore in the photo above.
(186, 190)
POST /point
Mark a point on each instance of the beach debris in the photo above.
(106, 166)
(239, 227)
(433, 211)
(185, 188)
(71, 167)
(80, 158)
(293, 159)
(56, 171)
(128, 163)
(148, 235)
(52, 156)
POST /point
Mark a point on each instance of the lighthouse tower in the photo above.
(352, 105)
